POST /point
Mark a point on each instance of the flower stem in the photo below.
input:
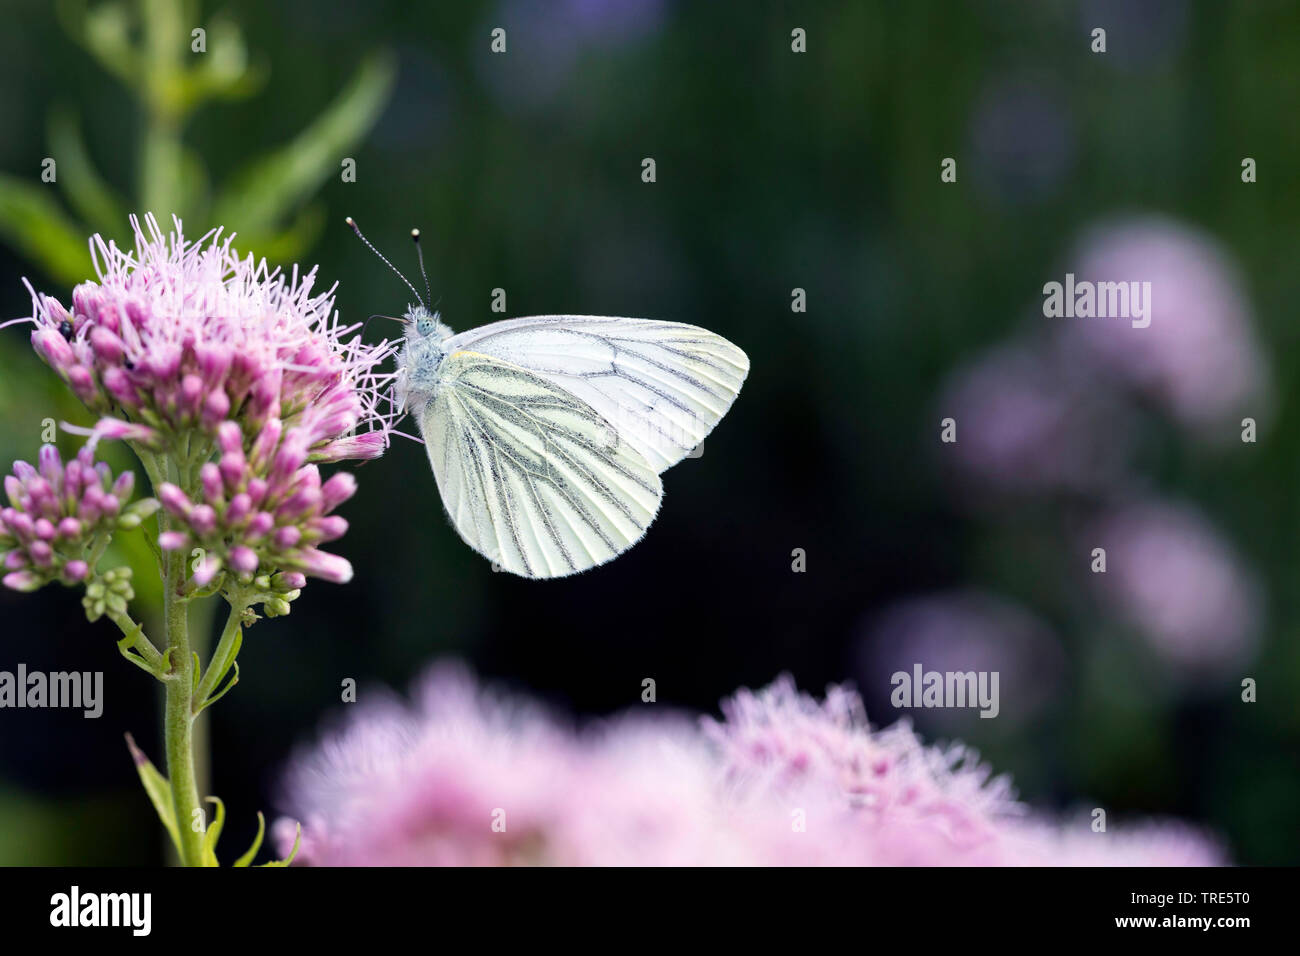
(179, 718)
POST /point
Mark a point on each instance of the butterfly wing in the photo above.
(533, 478)
(662, 385)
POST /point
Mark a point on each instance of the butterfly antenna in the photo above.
(366, 324)
(382, 259)
(419, 252)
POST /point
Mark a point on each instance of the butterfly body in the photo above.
(421, 357)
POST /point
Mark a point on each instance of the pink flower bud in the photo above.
(257, 491)
(356, 447)
(213, 362)
(69, 528)
(122, 486)
(330, 567)
(174, 500)
(230, 439)
(302, 502)
(338, 489)
(243, 560)
(173, 540)
(50, 464)
(232, 468)
(22, 581)
(207, 570)
(118, 430)
(45, 529)
(20, 524)
(117, 382)
(53, 348)
(331, 527)
(210, 478)
(215, 407)
(264, 444)
(203, 519)
(260, 525)
(75, 571)
(108, 347)
(289, 580)
(82, 384)
(240, 507)
(85, 300)
(291, 456)
(55, 313)
(286, 537)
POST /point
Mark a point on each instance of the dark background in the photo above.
(775, 170)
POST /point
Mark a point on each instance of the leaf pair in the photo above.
(160, 795)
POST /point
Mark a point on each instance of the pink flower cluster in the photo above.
(267, 508)
(465, 777)
(59, 514)
(243, 374)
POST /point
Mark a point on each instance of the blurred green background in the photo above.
(775, 170)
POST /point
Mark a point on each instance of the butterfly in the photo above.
(548, 434)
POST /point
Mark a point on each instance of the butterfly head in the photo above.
(421, 324)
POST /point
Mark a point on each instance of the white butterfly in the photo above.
(547, 434)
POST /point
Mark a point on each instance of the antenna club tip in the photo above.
(348, 220)
(415, 234)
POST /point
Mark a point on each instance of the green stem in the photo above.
(139, 641)
(179, 719)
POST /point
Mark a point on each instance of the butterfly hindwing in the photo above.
(662, 385)
(533, 477)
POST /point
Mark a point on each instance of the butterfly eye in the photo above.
(424, 325)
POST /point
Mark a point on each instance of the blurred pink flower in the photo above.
(1171, 575)
(1029, 420)
(1199, 356)
(465, 777)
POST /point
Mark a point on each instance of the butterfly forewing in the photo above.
(661, 385)
(533, 477)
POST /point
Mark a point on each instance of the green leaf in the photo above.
(223, 72)
(268, 190)
(213, 833)
(158, 789)
(297, 840)
(88, 194)
(34, 224)
(229, 660)
(106, 33)
(248, 857)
